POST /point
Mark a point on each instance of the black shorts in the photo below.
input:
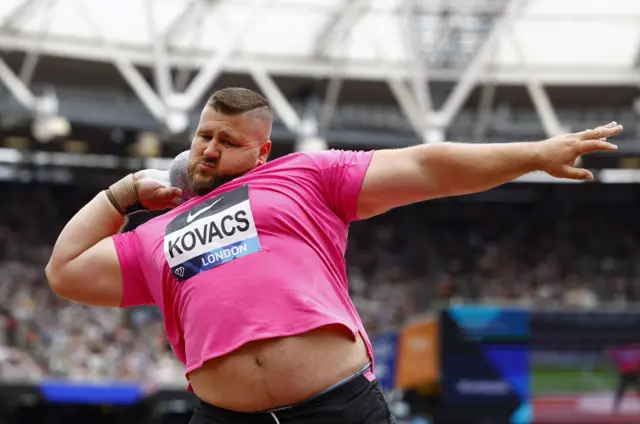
(355, 401)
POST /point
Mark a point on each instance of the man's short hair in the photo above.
(237, 100)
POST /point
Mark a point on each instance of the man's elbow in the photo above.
(60, 283)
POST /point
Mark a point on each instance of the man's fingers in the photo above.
(172, 203)
(576, 173)
(175, 197)
(602, 132)
(589, 146)
(169, 197)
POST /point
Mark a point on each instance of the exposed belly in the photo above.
(282, 371)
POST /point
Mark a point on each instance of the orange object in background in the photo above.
(418, 361)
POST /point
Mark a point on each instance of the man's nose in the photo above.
(212, 151)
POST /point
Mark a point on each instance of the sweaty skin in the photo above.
(241, 144)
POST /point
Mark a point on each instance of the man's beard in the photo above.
(201, 188)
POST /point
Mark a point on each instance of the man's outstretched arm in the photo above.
(398, 177)
(84, 266)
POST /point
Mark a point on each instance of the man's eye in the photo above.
(227, 143)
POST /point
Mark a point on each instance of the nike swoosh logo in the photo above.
(201, 211)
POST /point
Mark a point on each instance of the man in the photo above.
(627, 360)
(250, 275)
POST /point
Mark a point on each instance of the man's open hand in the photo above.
(557, 156)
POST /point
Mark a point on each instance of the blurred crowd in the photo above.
(545, 254)
(409, 261)
(42, 335)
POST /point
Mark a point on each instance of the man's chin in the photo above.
(201, 188)
(205, 186)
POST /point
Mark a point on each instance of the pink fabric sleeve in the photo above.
(342, 173)
(135, 291)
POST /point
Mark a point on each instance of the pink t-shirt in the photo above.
(261, 256)
(627, 358)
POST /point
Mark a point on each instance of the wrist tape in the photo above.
(123, 195)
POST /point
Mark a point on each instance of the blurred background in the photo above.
(515, 305)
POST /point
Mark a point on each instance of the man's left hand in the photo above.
(557, 156)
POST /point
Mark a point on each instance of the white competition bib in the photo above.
(210, 234)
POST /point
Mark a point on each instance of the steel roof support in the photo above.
(338, 28)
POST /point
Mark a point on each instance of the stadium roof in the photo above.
(356, 38)
(402, 42)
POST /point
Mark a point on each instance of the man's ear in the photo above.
(265, 151)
